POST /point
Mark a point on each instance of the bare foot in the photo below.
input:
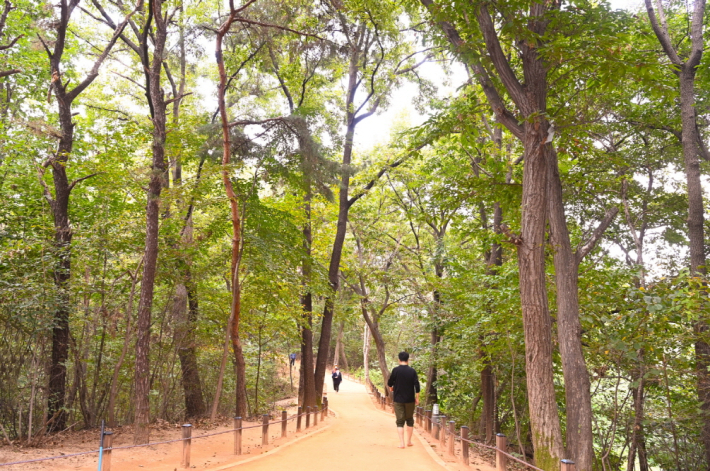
(400, 447)
(410, 444)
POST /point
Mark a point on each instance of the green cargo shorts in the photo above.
(404, 413)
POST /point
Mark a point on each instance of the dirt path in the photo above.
(360, 438)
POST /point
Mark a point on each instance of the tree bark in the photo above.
(488, 394)
(690, 138)
(156, 99)
(185, 309)
(59, 204)
(307, 383)
(544, 419)
(338, 344)
(580, 441)
(366, 352)
(335, 257)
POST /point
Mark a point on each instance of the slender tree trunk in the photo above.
(430, 391)
(334, 267)
(338, 344)
(307, 383)
(696, 237)
(373, 324)
(150, 258)
(185, 311)
(113, 393)
(488, 394)
(343, 356)
(222, 368)
(637, 446)
(578, 398)
(366, 352)
(544, 418)
(235, 308)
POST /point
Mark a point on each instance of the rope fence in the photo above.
(438, 429)
(105, 450)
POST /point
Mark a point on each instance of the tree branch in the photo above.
(79, 180)
(589, 245)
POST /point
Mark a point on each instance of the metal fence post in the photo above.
(264, 429)
(284, 424)
(501, 446)
(452, 440)
(108, 443)
(237, 435)
(567, 465)
(308, 417)
(298, 418)
(186, 444)
(464, 446)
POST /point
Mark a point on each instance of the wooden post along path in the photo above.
(186, 445)
(237, 435)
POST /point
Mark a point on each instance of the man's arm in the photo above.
(390, 382)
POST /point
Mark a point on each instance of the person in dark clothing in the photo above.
(337, 378)
(404, 385)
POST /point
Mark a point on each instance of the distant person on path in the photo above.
(292, 359)
(404, 385)
(337, 378)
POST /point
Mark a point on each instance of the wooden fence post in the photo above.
(264, 429)
(434, 428)
(327, 408)
(308, 417)
(442, 432)
(237, 435)
(452, 440)
(284, 424)
(322, 409)
(106, 460)
(501, 446)
(298, 419)
(315, 415)
(427, 421)
(567, 465)
(464, 446)
(186, 444)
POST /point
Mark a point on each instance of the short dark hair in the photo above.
(403, 356)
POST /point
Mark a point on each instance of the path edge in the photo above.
(273, 451)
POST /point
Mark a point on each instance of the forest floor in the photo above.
(357, 437)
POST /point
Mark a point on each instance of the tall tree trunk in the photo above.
(338, 344)
(235, 306)
(691, 143)
(185, 311)
(430, 391)
(488, 394)
(344, 357)
(150, 258)
(696, 237)
(366, 352)
(544, 418)
(638, 434)
(59, 202)
(578, 397)
(335, 257)
(374, 328)
(307, 383)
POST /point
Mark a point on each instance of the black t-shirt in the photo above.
(405, 382)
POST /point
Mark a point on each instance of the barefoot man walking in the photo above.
(404, 384)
